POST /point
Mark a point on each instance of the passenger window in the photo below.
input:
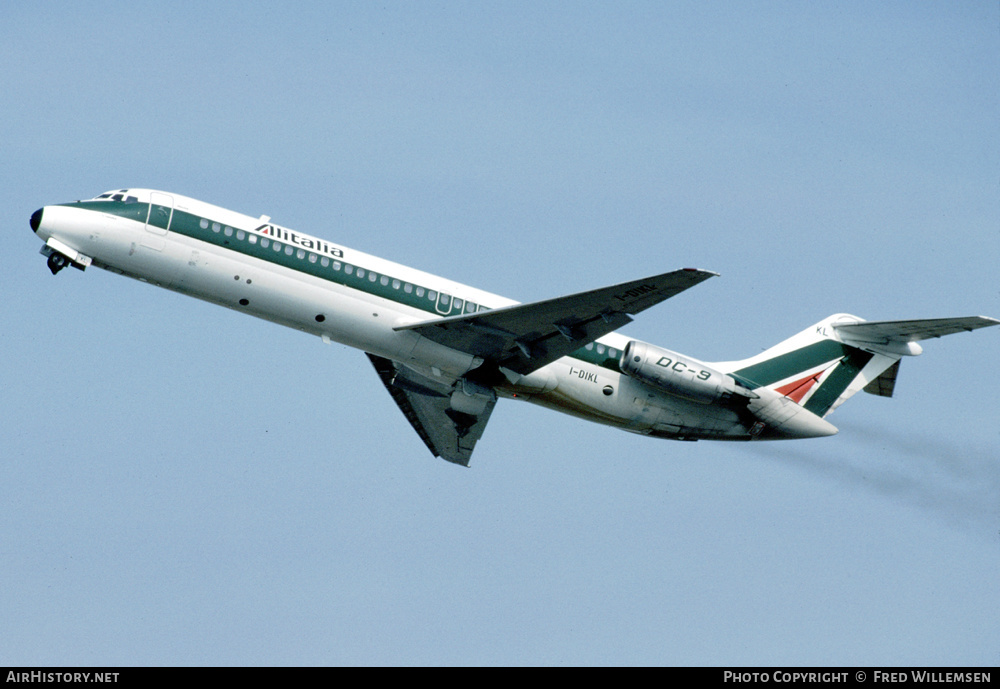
(313, 258)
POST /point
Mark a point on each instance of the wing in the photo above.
(520, 339)
(881, 332)
(447, 433)
(525, 337)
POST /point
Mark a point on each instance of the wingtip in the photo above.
(709, 273)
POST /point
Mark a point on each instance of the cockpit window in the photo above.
(120, 195)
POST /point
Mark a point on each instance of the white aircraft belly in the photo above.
(280, 295)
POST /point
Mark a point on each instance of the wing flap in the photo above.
(525, 337)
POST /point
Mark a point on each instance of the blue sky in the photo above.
(181, 484)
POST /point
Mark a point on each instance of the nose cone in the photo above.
(36, 219)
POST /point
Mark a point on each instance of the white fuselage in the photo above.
(252, 265)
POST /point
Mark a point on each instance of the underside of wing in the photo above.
(525, 337)
(446, 431)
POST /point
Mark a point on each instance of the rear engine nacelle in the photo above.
(680, 375)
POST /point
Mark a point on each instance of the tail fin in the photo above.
(827, 363)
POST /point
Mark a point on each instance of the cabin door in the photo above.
(443, 303)
(161, 213)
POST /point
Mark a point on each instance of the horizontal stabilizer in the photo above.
(885, 384)
(882, 332)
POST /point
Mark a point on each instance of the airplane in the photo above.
(447, 352)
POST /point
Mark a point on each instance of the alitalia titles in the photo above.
(310, 243)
